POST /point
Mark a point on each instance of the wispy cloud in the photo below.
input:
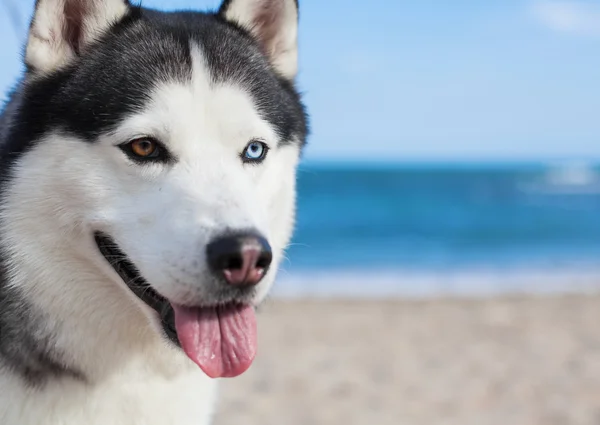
(576, 17)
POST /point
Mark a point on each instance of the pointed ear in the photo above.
(274, 23)
(62, 29)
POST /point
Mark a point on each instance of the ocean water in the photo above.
(401, 228)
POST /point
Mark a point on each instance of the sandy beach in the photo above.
(507, 361)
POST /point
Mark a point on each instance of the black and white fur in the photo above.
(76, 346)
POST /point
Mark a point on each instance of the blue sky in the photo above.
(434, 80)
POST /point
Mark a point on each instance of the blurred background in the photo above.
(446, 263)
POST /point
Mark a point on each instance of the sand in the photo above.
(509, 361)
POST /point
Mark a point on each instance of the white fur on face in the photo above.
(164, 216)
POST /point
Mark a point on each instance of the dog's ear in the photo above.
(62, 29)
(274, 23)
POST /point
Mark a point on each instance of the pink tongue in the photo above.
(221, 340)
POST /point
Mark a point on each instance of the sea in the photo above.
(444, 229)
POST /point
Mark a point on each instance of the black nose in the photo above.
(242, 259)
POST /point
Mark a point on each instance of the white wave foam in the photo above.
(569, 178)
(410, 284)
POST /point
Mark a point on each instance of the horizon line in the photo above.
(448, 163)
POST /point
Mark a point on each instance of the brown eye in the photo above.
(145, 148)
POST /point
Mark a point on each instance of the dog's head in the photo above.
(169, 144)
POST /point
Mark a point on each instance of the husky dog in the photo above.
(148, 167)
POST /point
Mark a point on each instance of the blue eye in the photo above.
(255, 152)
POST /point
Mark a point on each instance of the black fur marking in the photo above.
(233, 55)
(115, 77)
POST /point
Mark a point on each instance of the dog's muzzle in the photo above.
(137, 284)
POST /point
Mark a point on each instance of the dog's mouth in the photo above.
(137, 284)
(221, 339)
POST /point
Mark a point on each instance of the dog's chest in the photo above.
(143, 400)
